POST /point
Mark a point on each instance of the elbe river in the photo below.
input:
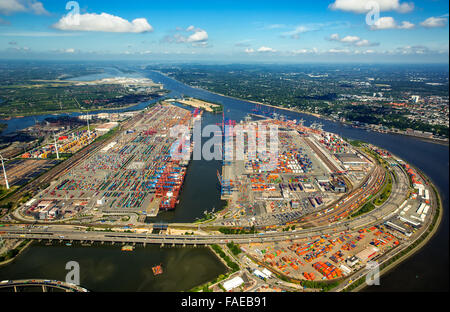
(108, 268)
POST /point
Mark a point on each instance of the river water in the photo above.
(427, 270)
(107, 268)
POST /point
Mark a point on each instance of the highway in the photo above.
(399, 189)
(45, 284)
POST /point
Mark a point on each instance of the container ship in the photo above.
(127, 248)
(157, 270)
(169, 185)
(172, 174)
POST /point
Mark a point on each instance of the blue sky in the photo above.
(227, 31)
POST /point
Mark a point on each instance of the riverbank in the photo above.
(19, 249)
(222, 257)
(69, 111)
(296, 110)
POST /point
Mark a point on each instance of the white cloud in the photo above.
(19, 49)
(388, 22)
(301, 51)
(364, 6)
(199, 37)
(19, 6)
(295, 34)
(352, 40)
(412, 50)
(434, 22)
(266, 49)
(103, 22)
(339, 51)
(363, 43)
(334, 37)
(64, 51)
(304, 51)
(406, 25)
(249, 50)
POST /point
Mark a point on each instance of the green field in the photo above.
(57, 97)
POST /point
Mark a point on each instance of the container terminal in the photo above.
(314, 170)
(134, 173)
(322, 213)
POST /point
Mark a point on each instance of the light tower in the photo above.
(56, 147)
(87, 118)
(4, 172)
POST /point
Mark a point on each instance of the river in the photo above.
(426, 270)
(107, 268)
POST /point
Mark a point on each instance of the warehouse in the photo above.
(367, 253)
(233, 283)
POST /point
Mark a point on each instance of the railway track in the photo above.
(360, 193)
(65, 166)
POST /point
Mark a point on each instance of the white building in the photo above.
(233, 283)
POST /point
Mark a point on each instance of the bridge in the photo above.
(374, 217)
(45, 285)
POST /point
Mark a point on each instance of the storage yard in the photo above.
(66, 144)
(21, 171)
(313, 170)
(134, 173)
(325, 257)
(207, 106)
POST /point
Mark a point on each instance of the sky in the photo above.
(298, 31)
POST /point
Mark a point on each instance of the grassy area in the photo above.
(385, 193)
(108, 134)
(225, 230)
(378, 201)
(369, 206)
(5, 193)
(234, 248)
(356, 143)
(13, 252)
(232, 265)
(322, 285)
(208, 217)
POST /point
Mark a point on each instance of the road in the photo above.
(374, 217)
(15, 284)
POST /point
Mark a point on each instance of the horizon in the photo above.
(222, 62)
